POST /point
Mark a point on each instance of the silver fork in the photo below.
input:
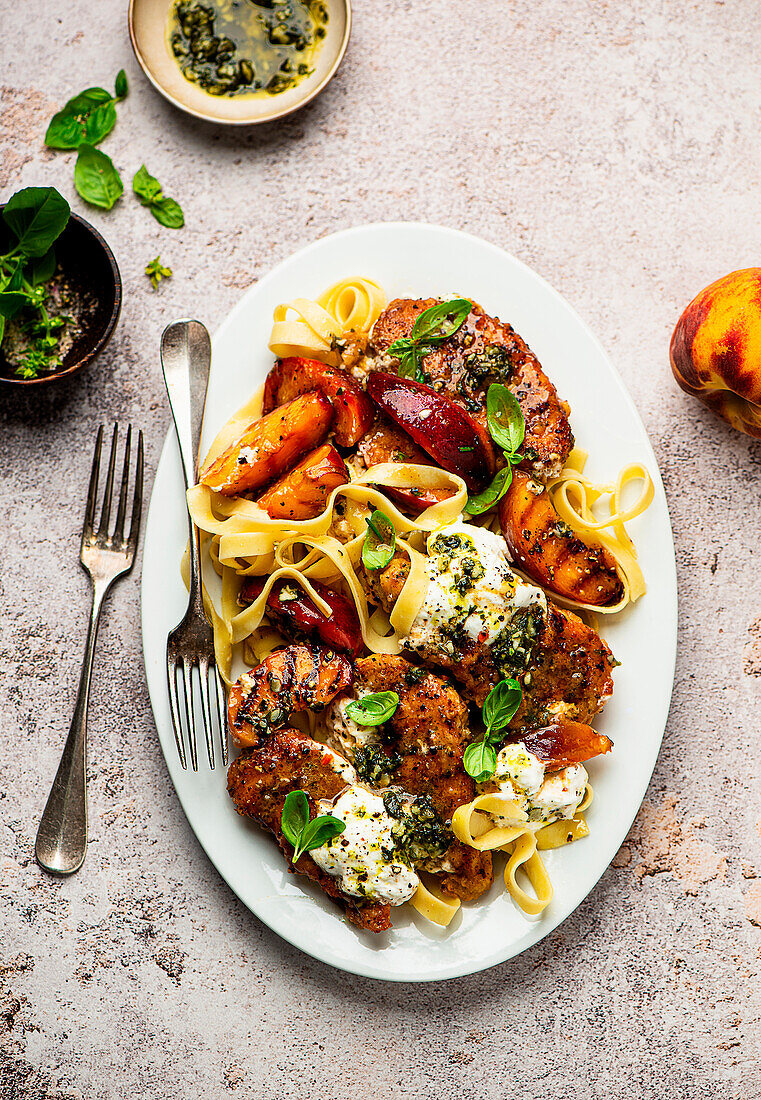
(62, 836)
(186, 360)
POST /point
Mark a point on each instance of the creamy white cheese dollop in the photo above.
(342, 732)
(520, 775)
(471, 587)
(359, 856)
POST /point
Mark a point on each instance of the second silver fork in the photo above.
(186, 360)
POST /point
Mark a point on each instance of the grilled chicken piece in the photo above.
(550, 553)
(430, 728)
(299, 677)
(567, 675)
(258, 782)
(482, 351)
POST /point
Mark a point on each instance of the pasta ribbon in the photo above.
(574, 497)
(429, 901)
(310, 328)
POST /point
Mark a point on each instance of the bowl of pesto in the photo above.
(239, 61)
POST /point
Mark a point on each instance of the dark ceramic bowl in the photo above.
(88, 263)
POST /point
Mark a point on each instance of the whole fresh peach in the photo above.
(716, 349)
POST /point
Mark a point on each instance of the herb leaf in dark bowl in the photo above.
(36, 216)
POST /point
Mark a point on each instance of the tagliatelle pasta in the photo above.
(433, 905)
(310, 328)
(574, 496)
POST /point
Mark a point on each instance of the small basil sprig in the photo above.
(380, 541)
(156, 271)
(373, 710)
(480, 757)
(432, 328)
(507, 428)
(166, 211)
(302, 833)
(96, 179)
(87, 118)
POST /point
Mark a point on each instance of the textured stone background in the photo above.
(614, 148)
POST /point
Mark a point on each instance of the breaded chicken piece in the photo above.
(258, 782)
(568, 673)
(430, 728)
(482, 351)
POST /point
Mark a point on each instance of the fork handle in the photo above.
(62, 836)
(186, 361)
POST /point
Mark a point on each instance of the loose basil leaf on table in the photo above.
(96, 179)
(480, 760)
(166, 211)
(483, 501)
(86, 119)
(504, 417)
(300, 832)
(373, 710)
(121, 86)
(501, 704)
(380, 541)
(36, 216)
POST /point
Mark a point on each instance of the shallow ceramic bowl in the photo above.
(89, 263)
(147, 30)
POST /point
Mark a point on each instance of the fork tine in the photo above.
(203, 670)
(92, 492)
(190, 712)
(222, 714)
(174, 705)
(105, 515)
(137, 504)
(122, 509)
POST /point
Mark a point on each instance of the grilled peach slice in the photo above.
(564, 743)
(353, 408)
(271, 445)
(303, 492)
(386, 442)
(443, 429)
(299, 677)
(550, 552)
(293, 611)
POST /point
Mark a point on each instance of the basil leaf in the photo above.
(483, 501)
(480, 760)
(37, 216)
(295, 816)
(380, 541)
(434, 322)
(2, 327)
(12, 302)
(120, 85)
(146, 187)
(96, 179)
(42, 268)
(319, 831)
(373, 710)
(501, 704)
(168, 212)
(85, 119)
(505, 419)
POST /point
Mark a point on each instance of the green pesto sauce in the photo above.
(246, 47)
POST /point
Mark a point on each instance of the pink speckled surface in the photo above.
(615, 150)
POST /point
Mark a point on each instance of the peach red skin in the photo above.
(716, 349)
